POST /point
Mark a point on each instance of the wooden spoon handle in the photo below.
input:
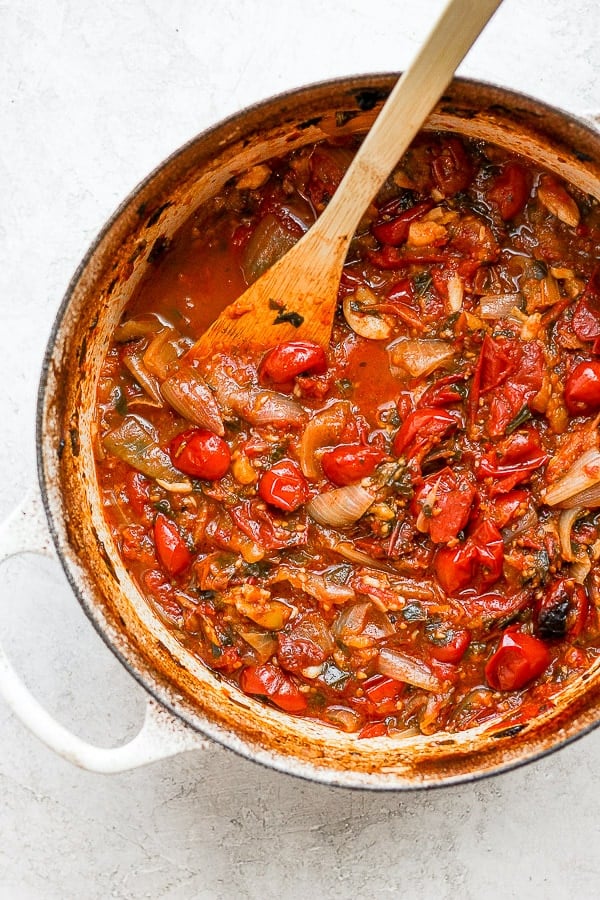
(409, 103)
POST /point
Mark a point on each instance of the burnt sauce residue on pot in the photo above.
(374, 536)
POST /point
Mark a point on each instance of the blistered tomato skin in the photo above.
(200, 453)
(582, 389)
(171, 549)
(284, 486)
(518, 660)
(348, 464)
(286, 361)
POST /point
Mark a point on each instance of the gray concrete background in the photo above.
(92, 96)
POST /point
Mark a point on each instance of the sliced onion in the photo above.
(361, 625)
(498, 306)
(269, 241)
(353, 554)
(263, 643)
(132, 357)
(322, 430)
(188, 393)
(132, 329)
(418, 356)
(343, 717)
(162, 353)
(580, 486)
(134, 442)
(268, 408)
(313, 584)
(580, 569)
(566, 520)
(312, 627)
(402, 667)
(340, 507)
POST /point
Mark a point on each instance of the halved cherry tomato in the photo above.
(506, 506)
(285, 361)
(200, 453)
(478, 559)
(394, 230)
(421, 430)
(170, 546)
(562, 610)
(284, 486)
(451, 169)
(383, 693)
(512, 460)
(444, 392)
(373, 729)
(269, 681)
(445, 502)
(510, 190)
(586, 315)
(518, 660)
(453, 647)
(137, 488)
(350, 462)
(455, 567)
(582, 389)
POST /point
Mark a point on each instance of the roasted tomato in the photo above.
(561, 612)
(478, 560)
(200, 453)
(512, 461)
(286, 361)
(393, 229)
(443, 505)
(284, 486)
(350, 462)
(510, 190)
(451, 169)
(586, 315)
(171, 549)
(421, 430)
(451, 646)
(518, 660)
(269, 681)
(582, 389)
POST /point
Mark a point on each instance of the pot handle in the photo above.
(161, 735)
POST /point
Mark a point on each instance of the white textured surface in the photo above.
(92, 96)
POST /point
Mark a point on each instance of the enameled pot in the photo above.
(191, 703)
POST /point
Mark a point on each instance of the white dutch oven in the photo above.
(187, 703)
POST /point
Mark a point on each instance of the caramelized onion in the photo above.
(402, 667)
(498, 306)
(255, 405)
(580, 486)
(134, 443)
(269, 241)
(323, 429)
(419, 356)
(188, 393)
(132, 358)
(340, 507)
(566, 520)
(315, 585)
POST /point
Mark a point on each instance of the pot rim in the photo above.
(273, 760)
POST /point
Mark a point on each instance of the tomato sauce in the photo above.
(401, 532)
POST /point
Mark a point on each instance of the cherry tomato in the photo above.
(350, 462)
(137, 488)
(372, 729)
(444, 392)
(170, 546)
(451, 169)
(586, 315)
(453, 647)
(506, 506)
(285, 361)
(455, 567)
(383, 693)
(518, 660)
(582, 390)
(284, 486)
(421, 430)
(393, 229)
(510, 190)
(269, 681)
(445, 503)
(200, 453)
(512, 460)
(562, 610)
(479, 558)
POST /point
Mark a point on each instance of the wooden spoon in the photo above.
(304, 282)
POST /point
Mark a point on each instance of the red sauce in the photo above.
(377, 536)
